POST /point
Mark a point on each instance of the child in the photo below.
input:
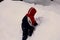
(29, 23)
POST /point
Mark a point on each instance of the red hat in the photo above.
(32, 11)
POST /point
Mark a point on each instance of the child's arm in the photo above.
(30, 22)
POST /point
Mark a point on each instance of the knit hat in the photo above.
(32, 11)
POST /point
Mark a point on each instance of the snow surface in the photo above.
(12, 12)
(43, 2)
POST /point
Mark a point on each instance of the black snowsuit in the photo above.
(27, 29)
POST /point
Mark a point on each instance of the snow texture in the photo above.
(42, 2)
(12, 12)
(58, 1)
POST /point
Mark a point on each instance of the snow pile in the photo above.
(11, 14)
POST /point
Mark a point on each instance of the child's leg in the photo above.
(25, 34)
(31, 30)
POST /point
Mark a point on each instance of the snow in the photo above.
(58, 1)
(42, 2)
(12, 12)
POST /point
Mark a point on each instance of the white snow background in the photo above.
(12, 12)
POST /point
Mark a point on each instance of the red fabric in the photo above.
(31, 13)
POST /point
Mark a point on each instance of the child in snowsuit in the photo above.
(28, 23)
